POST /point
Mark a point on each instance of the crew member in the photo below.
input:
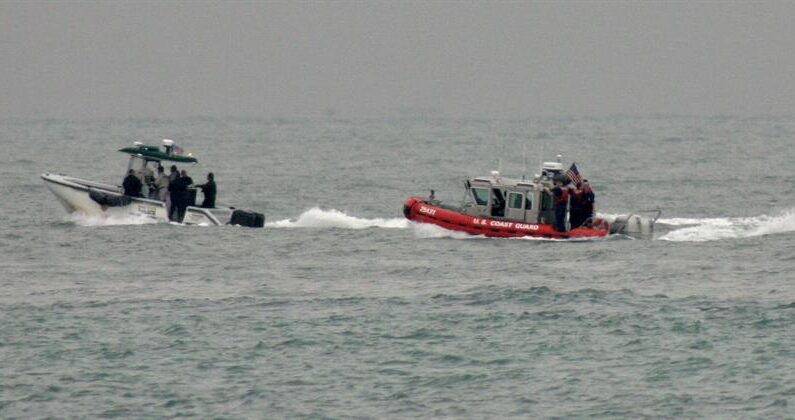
(576, 211)
(175, 187)
(190, 196)
(161, 184)
(560, 198)
(587, 200)
(209, 191)
(188, 180)
(132, 185)
(148, 178)
(174, 174)
(179, 196)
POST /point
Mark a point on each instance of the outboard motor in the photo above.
(634, 225)
(247, 218)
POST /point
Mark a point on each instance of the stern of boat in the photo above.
(635, 225)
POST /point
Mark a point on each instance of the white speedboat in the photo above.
(95, 199)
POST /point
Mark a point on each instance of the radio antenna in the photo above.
(541, 156)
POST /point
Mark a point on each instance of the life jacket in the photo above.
(577, 198)
(563, 198)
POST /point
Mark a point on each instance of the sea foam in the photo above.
(713, 229)
(110, 220)
(325, 219)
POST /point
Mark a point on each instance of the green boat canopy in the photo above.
(154, 153)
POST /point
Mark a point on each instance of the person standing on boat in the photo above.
(189, 200)
(174, 195)
(586, 201)
(147, 177)
(208, 189)
(560, 198)
(576, 206)
(132, 185)
(179, 196)
(174, 174)
(188, 180)
(161, 184)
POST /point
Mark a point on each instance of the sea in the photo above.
(341, 308)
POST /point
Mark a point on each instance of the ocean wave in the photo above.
(325, 219)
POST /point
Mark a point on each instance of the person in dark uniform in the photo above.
(576, 210)
(173, 174)
(209, 191)
(188, 180)
(174, 195)
(586, 201)
(190, 196)
(560, 198)
(132, 185)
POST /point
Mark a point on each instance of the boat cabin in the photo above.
(145, 159)
(512, 199)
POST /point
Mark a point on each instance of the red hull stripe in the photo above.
(418, 211)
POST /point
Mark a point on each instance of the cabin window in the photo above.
(515, 200)
(481, 196)
(528, 203)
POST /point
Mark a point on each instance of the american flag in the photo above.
(573, 174)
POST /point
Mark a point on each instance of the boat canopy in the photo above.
(154, 153)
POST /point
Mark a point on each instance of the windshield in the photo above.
(481, 196)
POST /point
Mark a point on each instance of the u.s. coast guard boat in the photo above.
(496, 206)
(95, 199)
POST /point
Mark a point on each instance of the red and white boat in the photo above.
(500, 207)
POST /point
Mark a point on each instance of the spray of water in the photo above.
(428, 231)
(713, 229)
(110, 220)
(319, 218)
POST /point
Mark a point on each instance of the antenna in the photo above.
(541, 156)
(524, 160)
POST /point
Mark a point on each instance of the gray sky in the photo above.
(174, 59)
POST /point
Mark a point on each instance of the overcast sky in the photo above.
(514, 59)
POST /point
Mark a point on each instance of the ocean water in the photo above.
(341, 308)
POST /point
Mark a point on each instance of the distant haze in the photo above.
(263, 59)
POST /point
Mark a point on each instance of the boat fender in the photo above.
(247, 218)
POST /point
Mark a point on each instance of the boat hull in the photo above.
(74, 195)
(422, 211)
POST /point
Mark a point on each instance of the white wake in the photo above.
(325, 219)
(713, 229)
(110, 220)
